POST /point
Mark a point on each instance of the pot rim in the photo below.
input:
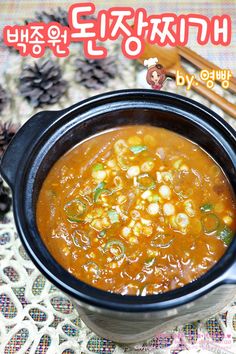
(112, 301)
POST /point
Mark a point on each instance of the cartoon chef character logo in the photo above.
(156, 74)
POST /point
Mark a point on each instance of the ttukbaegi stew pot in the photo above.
(48, 135)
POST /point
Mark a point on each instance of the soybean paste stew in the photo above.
(137, 210)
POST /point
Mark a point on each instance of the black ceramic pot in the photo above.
(48, 135)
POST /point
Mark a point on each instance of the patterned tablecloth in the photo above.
(35, 317)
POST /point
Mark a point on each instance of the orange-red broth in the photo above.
(136, 210)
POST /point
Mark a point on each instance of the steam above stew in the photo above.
(137, 210)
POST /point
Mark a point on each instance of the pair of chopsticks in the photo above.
(203, 63)
(170, 59)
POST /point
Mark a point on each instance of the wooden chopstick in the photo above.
(209, 94)
(203, 63)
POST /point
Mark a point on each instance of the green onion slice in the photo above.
(98, 167)
(100, 190)
(116, 248)
(225, 234)
(206, 207)
(113, 216)
(149, 262)
(74, 210)
(102, 233)
(145, 181)
(210, 223)
(143, 290)
(155, 198)
(136, 149)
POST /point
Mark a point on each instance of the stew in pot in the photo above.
(136, 210)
